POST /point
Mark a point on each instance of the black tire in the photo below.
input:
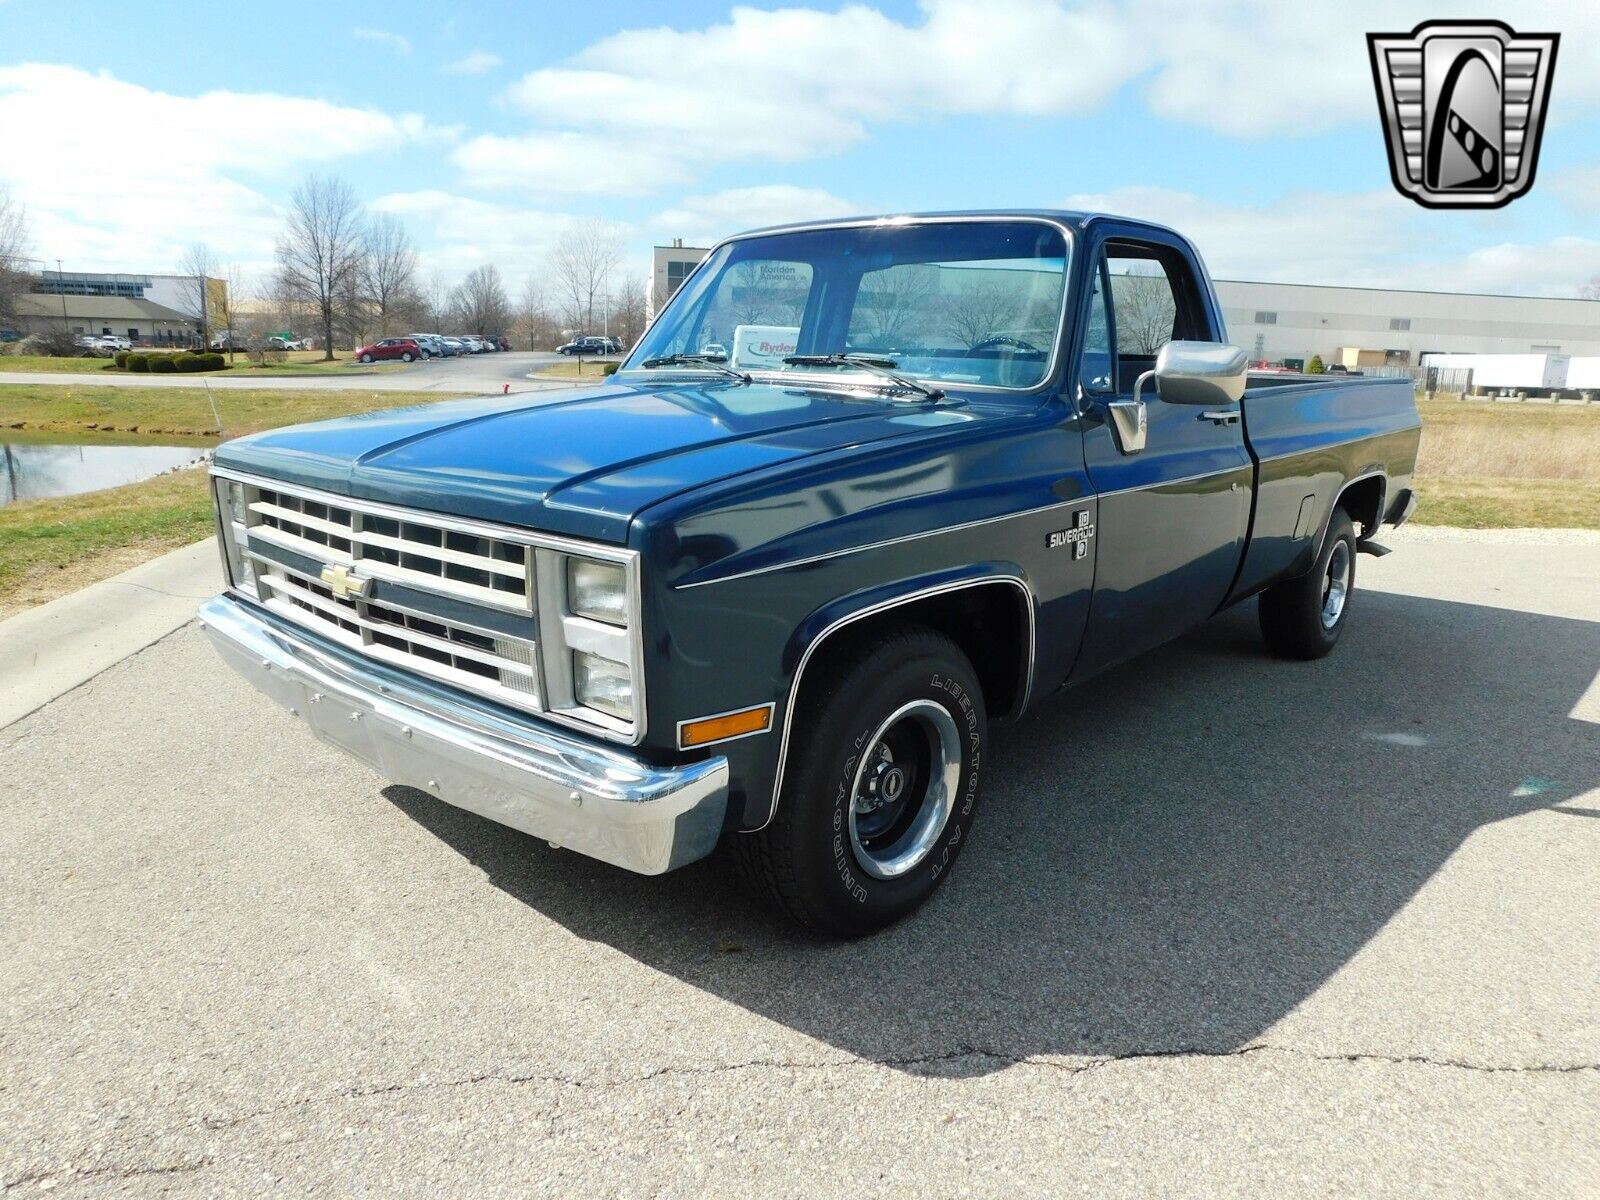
(406, 357)
(1295, 614)
(815, 861)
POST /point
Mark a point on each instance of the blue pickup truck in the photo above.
(864, 487)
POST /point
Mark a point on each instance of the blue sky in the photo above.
(1251, 124)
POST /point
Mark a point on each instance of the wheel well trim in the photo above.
(1378, 473)
(1030, 605)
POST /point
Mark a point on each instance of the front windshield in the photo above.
(953, 302)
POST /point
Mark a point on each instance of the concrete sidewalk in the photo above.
(47, 651)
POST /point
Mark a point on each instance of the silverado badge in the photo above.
(342, 583)
(1077, 536)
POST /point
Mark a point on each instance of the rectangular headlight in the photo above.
(602, 684)
(597, 590)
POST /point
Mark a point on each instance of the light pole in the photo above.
(61, 283)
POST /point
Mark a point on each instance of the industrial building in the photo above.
(1368, 327)
(669, 267)
(153, 309)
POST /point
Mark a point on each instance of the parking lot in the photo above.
(1228, 926)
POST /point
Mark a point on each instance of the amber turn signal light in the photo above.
(729, 725)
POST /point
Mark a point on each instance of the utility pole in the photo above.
(61, 283)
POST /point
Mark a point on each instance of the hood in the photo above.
(580, 464)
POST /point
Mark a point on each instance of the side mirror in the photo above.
(1200, 373)
(1196, 373)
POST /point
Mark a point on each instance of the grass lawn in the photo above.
(294, 362)
(575, 367)
(49, 547)
(1487, 465)
(186, 412)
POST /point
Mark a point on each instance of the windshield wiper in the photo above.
(715, 362)
(867, 362)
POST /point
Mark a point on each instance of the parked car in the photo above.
(279, 342)
(229, 341)
(454, 346)
(431, 344)
(714, 350)
(405, 349)
(502, 343)
(780, 606)
(10, 335)
(586, 345)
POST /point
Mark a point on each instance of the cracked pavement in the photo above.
(1226, 926)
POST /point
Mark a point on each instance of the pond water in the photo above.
(35, 470)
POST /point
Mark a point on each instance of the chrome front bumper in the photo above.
(576, 794)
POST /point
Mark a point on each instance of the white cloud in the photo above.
(703, 220)
(462, 233)
(383, 37)
(1362, 239)
(132, 203)
(799, 83)
(476, 63)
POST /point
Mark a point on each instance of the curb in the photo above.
(47, 651)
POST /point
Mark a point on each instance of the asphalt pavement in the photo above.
(1227, 926)
(487, 372)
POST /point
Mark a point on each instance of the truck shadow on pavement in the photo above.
(1169, 858)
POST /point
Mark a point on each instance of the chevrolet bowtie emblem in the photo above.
(342, 583)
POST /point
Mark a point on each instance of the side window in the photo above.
(1095, 375)
(1154, 300)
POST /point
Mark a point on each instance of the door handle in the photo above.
(1219, 416)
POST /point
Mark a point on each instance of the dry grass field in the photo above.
(1486, 465)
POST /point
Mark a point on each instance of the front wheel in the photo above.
(366, 358)
(1303, 618)
(881, 788)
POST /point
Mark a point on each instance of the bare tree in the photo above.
(974, 314)
(536, 323)
(894, 304)
(580, 266)
(433, 301)
(1145, 312)
(480, 302)
(627, 305)
(199, 266)
(225, 310)
(391, 283)
(15, 242)
(322, 248)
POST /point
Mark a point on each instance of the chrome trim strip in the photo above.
(1045, 383)
(590, 798)
(769, 706)
(872, 610)
(894, 541)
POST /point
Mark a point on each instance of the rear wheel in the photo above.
(406, 357)
(881, 789)
(1303, 618)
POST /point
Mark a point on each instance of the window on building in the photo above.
(677, 272)
(1266, 318)
(1400, 324)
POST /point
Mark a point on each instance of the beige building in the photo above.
(137, 319)
(669, 267)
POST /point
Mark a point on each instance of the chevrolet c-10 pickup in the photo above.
(863, 487)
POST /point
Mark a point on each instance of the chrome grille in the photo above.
(410, 550)
(485, 661)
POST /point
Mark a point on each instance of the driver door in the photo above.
(1172, 516)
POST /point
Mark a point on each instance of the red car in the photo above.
(405, 349)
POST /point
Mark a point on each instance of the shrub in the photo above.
(121, 358)
(57, 343)
(163, 365)
(189, 363)
(1315, 367)
(213, 362)
(609, 368)
(138, 363)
